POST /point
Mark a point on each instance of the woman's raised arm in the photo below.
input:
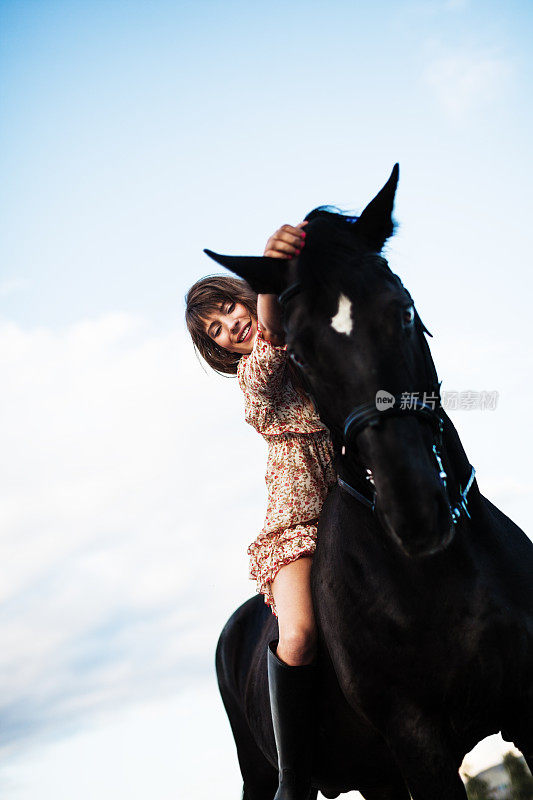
(287, 243)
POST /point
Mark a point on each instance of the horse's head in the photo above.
(354, 332)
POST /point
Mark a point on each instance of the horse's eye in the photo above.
(408, 316)
(297, 360)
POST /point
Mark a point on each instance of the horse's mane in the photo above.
(335, 243)
(332, 211)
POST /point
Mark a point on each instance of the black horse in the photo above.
(422, 588)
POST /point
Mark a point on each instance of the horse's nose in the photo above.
(425, 528)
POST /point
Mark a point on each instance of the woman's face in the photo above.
(232, 327)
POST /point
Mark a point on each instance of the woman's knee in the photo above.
(297, 643)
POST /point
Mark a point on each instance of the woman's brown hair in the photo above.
(205, 296)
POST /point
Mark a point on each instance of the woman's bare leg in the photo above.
(291, 589)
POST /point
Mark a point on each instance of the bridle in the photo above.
(368, 415)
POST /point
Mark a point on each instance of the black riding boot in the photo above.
(292, 702)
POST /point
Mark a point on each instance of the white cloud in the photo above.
(464, 81)
(157, 748)
(124, 529)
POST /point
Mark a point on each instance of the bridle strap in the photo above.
(358, 496)
(369, 414)
(289, 292)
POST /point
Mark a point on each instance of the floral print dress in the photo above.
(300, 464)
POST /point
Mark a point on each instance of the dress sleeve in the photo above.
(265, 368)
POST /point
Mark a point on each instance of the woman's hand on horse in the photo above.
(286, 242)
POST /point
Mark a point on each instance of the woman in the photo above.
(238, 332)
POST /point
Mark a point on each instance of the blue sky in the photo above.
(133, 135)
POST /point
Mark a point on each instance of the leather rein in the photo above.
(368, 415)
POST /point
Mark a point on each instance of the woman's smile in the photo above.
(232, 327)
(243, 337)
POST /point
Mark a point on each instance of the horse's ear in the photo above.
(264, 274)
(375, 224)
